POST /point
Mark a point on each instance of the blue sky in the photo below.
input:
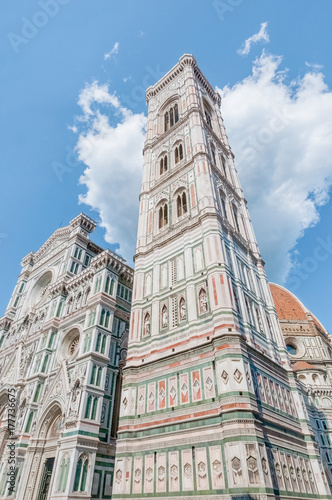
(45, 70)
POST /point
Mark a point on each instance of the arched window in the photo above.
(88, 407)
(223, 164)
(236, 218)
(44, 367)
(181, 204)
(213, 154)
(102, 317)
(78, 475)
(176, 113)
(98, 342)
(171, 117)
(93, 374)
(163, 216)
(178, 153)
(36, 396)
(64, 470)
(107, 319)
(29, 422)
(102, 350)
(181, 152)
(94, 409)
(161, 166)
(84, 475)
(107, 285)
(222, 203)
(62, 467)
(99, 374)
(208, 114)
(166, 121)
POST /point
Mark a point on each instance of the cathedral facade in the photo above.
(225, 390)
(63, 343)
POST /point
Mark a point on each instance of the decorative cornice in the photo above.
(185, 60)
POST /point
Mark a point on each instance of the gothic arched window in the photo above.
(223, 203)
(236, 218)
(81, 473)
(163, 216)
(213, 154)
(178, 153)
(181, 204)
(163, 165)
(166, 121)
(171, 117)
(176, 113)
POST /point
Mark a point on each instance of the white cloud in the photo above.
(257, 37)
(316, 67)
(113, 51)
(73, 128)
(113, 155)
(95, 93)
(281, 135)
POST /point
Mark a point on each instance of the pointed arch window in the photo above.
(81, 473)
(29, 422)
(99, 374)
(166, 119)
(163, 165)
(45, 363)
(171, 117)
(181, 204)
(163, 216)
(64, 470)
(222, 197)
(236, 218)
(98, 341)
(94, 409)
(88, 407)
(93, 374)
(213, 154)
(176, 113)
(178, 153)
(37, 393)
(103, 343)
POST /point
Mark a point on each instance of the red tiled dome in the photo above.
(286, 305)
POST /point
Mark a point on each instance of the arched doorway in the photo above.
(49, 435)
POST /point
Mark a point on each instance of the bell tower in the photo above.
(209, 404)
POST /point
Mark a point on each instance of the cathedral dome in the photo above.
(290, 309)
